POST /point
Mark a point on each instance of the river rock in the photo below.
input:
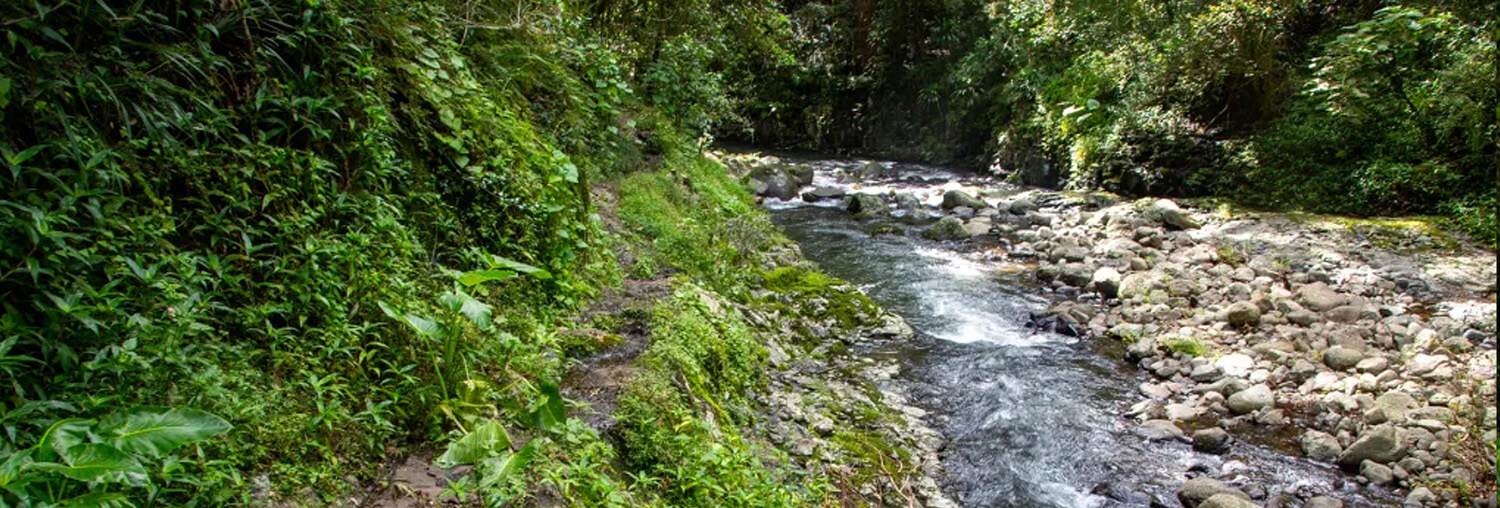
(1107, 282)
(1377, 473)
(1380, 443)
(1242, 314)
(1420, 496)
(773, 182)
(1166, 212)
(948, 229)
(1194, 492)
(1373, 365)
(1342, 358)
(1319, 297)
(956, 198)
(1075, 274)
(1323, 502)
(1211, 440)
(1251, 399)
(1144, 347)
(1227, 501)
(822, 193)
(1321, 446)
(865, 205)
(1022, 207)
(908, 202)
(1235, 364)
(1160, 430)
(1394, 404)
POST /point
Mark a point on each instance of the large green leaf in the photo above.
(518, 266)
(476, 311)
(487, 440)
(478, 277)
(423, 326)
(63, 435)
(551, 413)
(93, 462)
(10, 470)
(497, 469)
(155, 431)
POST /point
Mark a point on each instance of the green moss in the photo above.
(1186, 346)
(846, 305)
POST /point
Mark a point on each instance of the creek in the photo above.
(1032, 419)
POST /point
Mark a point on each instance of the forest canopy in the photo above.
(1355, 107)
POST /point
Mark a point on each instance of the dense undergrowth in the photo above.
(350, 229)
(1343, 106)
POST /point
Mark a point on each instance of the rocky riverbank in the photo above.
(1365, 344)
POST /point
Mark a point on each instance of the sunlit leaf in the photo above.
(155, 431)
(93, 462)
(487, 440)
(498, 469)
(478, 277)
(476, 311)
(520, 267)
(421, 325)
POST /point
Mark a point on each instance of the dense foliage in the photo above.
(348, 228)
(1358, 107)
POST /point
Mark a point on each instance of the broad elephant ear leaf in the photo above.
(156, 431)
(477, 277)
(498, 469)
(551, 414)
(94, 462)
(511, 264)
(10, 470)
(63, 435)
(423, 326)
(487, 440)
(476, 311)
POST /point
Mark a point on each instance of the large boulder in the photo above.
(865, 205)
(1166, 212)
(1381, 443)
(948, 229)
(800, 173)
(773, 182)
(1194, 492)
(956, 198)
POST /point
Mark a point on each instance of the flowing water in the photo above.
(1032, 419)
